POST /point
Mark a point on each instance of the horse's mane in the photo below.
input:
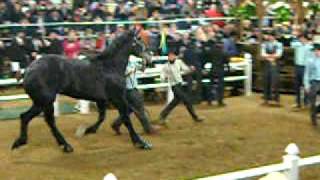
(114, 47)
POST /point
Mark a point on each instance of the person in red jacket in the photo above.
(72, 45)
(214, 13)
(101, 42)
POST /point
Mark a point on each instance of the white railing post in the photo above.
(292, 160)
(110, 176)
(248, 73)
(56, 106)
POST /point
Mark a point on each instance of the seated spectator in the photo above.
(19, 52)
(2, 56)
(54, 44)
(72, 45)
(101, 42)
(229, 45)
(214, 13)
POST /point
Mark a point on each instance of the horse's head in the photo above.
(139, 45)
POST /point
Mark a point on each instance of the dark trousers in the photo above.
(217, 80)
(314, 89)
(299, 75)
(179, 95)
(216, 85)
(136, 105)
(271, 82)
(197, 76)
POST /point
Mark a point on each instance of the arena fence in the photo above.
(201, 20)
(289, 167)
(245, 66)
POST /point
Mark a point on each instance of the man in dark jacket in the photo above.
(21, 49)
(192, 58)
(55, 44)
(213, 54)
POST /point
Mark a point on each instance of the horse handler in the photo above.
(135, 100)
(172, 72)
(312, 81)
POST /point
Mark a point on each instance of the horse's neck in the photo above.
(120, 61)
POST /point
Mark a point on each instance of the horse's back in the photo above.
(43, 77)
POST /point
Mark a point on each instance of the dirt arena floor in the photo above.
(242, 135)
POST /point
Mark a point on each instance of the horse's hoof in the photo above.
(18, 143)
(144, 145)
(90, 130)
(67, 148)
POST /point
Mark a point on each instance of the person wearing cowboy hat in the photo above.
(271, 51)
(302, 48)
(312, 80)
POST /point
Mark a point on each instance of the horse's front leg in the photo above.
(102, 107)
(123, 108)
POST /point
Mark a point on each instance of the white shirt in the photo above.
(172, 72)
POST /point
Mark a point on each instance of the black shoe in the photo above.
(199, 119)
(116, 129)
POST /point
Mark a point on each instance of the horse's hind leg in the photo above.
(102, 106)
(50, 120)
(25, 120)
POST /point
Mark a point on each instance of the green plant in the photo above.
(314, 7)
(245, 11)
(282, 14)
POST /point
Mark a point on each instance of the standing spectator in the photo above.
(213, 54)
(193, 59)
(312, 81)
(172, 72)
(302, 48)
(229, 45)
(271, 51)
(72, 45)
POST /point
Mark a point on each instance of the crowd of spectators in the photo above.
(27, 43)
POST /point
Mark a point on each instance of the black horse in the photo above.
(102, 80)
